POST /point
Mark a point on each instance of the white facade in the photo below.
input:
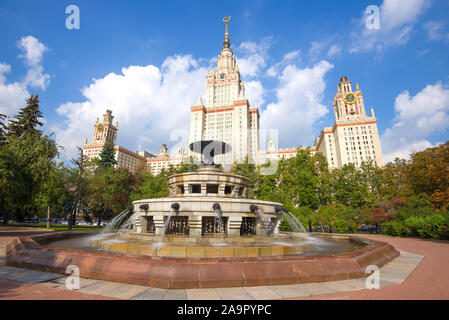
(226, 115)
(133, 161)
(354, 138)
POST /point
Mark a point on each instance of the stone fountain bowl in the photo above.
(216, 246)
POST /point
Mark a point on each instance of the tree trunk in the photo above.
(99, 218)
(70, 220)
(48, 217)
(5, 217)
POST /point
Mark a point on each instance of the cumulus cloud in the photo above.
(32, 53)
(254, 91)
(397, 19)
(416, 119)
(151, 103)
(290, 57)
(253, 56)
(13, 95)
(33, 50)
(298, 104)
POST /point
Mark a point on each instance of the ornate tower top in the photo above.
(227, 43)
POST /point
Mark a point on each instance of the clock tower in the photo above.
(105, 131)
(224, 85)
(226, 114)
(348, 104)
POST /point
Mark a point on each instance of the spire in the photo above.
(227, 43)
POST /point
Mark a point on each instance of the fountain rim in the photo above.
(206, 199)
(211, 172)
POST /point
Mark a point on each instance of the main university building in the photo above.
(227, 115)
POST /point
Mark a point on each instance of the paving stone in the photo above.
(180, 294)
(53, 285)
(202, 294)
(7, 270)
(83, 282)
(289, 292)
(37, 277)
(347, 285)
(317, 288)
(401, 266)
(101, 287)
(23, 275)
(234, 294)
(262, 293)
(396, 272)
(125, 291)
(150, 294)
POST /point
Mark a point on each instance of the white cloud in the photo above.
(33, 50)
(254, 56)
(291, 57)
(416, 119)
(32, 53)
(299, 104)
(397, 19)
(12, 95)
(435, 31)
(150, 103)
(254, 91)
(333, 51)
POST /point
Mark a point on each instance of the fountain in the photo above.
(206, 233)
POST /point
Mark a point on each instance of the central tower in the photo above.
(226, 114)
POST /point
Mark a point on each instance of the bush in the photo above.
(433, 226)
(341, 225)
(395, 229)
(414, 224)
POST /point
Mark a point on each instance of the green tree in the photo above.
(107, 156)
(349, 187)
(109, 191)
(249, 170)
(27, 120)
(53, 190)
(150, 187)
(2, 129)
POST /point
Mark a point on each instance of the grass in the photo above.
(55, 227)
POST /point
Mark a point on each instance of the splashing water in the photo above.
(294, 223)
(115, 223)
(128, 223)
(219, 220)
(167, 221)
(266, 221)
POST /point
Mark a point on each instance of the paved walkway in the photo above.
(15, 283)
(429, 281)
(421, 272)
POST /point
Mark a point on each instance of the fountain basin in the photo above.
(186, 273)
(204, 247)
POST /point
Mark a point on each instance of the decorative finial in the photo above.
(226, 43)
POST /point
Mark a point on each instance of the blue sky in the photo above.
(146, 60)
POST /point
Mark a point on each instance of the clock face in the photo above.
(222, 76)
(350, 98)
(100, 127)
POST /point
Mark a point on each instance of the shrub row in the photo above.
(433, 226)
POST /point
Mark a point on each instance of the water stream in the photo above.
(167, 220)
(115, 223)
(294, 223)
